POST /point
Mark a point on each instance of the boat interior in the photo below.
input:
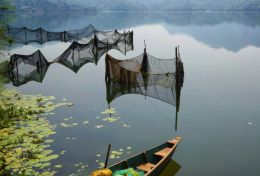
(149, 159)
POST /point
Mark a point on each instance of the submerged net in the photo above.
(25, 68)
(24, 35)
(145, 75)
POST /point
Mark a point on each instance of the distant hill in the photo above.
(212, 5)
(47, 5)
(125, 5)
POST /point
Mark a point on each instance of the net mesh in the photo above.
(24, 35)
(79, 54)
(25, 68)
(145, 75)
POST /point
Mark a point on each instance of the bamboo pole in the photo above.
(108, 151)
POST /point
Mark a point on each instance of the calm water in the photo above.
(219, 117)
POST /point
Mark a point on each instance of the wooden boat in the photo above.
(152, 161)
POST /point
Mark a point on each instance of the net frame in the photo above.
(139, 76)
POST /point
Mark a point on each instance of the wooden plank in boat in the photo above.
(146, 167)
(163, 152)
(174, 141)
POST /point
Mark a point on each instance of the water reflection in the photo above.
(25, 68)
(219, 27)
(25, 35)
(145, 75)
(171, 169)
(228, 98)
(160, 79)
(78, 54)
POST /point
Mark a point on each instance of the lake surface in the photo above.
(219, 116)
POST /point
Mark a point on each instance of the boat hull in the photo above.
(152, 161)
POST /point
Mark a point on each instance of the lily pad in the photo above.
(99, 126)
(85, 122)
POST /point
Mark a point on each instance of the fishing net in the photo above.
(124, 43)
(74, 57)
(24, 68)
(75, 35)
(128, 172)
(145, 75)
(78, 54)
(24, 35)
(102, 172)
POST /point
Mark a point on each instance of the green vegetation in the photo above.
(6, 5)
(24, 134)
(24, 128)
(3, 74)
(4, 40)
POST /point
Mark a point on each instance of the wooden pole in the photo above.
(40, 64)
(176, 119)
(110, 115)
(74, 66)
(25, 33)
(176, 52)
(96, 49)
(108, 151)
(107, 45)
(64, 36)
(176, 86)
(179, 54)
(132, 41)
(176, 60)
(125, 41)
(41, 35)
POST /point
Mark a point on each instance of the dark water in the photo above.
(220, 100)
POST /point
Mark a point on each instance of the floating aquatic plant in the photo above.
(101, 165)
(68, 123)
(81, 169)
(99, 126)
(116, 154)
(109, 111)
(125, 125)
(110, 119)
(25, 134)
